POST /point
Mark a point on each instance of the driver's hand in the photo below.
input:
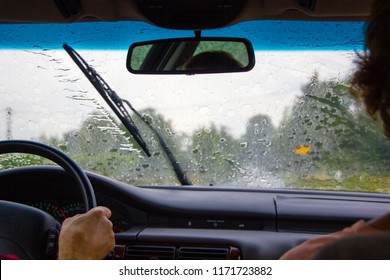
(87, 236)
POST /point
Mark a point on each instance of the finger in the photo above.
(104, 210)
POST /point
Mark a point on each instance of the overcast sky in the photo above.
(49, 95)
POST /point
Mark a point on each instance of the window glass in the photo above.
(288, 123)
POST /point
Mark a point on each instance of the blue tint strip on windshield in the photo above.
(265, 35)
(301, 35)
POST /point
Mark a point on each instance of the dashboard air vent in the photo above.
(140, 252)
(197, 253)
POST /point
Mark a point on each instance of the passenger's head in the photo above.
(213, 60)
(372, 80)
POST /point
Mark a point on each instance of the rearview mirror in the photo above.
(191, 56)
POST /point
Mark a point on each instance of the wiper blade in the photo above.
(116, 104)
(110, 96)
(180, 173)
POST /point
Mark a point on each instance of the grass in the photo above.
(364, 183)
(20, 160)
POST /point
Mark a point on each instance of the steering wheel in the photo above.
(25, 231)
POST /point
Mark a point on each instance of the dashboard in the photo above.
(195, 222)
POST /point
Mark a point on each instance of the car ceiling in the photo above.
(179, 14)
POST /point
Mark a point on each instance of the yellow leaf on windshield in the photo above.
(302, 150)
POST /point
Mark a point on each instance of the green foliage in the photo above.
(259, 137)
(112, 164)
(215, 156)
(237, 50)
(341, 137)
(364, 183)
(139, 55)
(20, 160)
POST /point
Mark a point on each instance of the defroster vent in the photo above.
(198, 253)
(139, 252)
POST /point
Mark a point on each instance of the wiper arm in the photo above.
(110, 96)
(116, 104)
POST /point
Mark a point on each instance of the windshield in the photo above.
(288, 123)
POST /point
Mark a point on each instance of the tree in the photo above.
(215, 156)
(99, 145)
(257, 140)
(339, 137)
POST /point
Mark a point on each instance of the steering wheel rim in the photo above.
(28, 232)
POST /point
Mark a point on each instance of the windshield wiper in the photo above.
(110, 96)
(180, 173)
(116, 104)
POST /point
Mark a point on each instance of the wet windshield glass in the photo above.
(288, 123)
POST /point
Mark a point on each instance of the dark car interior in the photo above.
(191, 222)
(172, 222)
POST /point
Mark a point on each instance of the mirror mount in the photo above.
(198, 33)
